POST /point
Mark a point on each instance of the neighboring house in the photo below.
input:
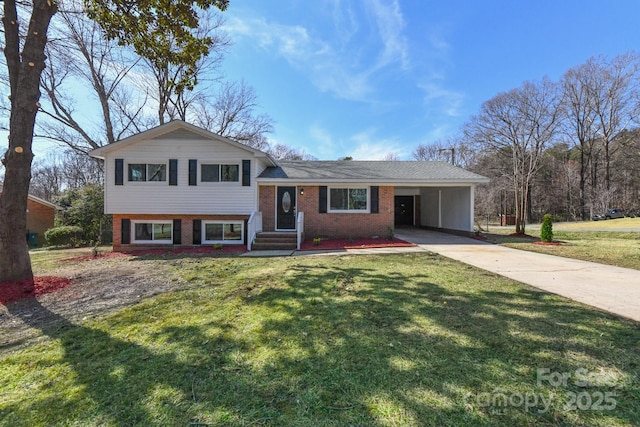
(182, 185)
(40, 217)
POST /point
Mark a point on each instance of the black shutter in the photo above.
(119, 171)
(246, 173)
(177, 231)
(322, 203)
(375, 199)
(197, 235)
(173, 172)
(125, 231)
(193, 172)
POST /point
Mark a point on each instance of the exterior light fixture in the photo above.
(302, 191)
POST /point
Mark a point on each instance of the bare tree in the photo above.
(439, 151)
(64, 171)
(601, 101)
(25, 60)
(519, 123)
(285, 152)
(616, 97)
(176, 86)
(580, 123)
(232, 114)
(454, 150)
(391, 157)
(80, 56)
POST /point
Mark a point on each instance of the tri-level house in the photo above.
(178, 184)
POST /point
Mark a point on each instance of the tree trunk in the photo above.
(583, 172)
(25, 68)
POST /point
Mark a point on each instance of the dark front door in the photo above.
(286, 206)
(403, 210)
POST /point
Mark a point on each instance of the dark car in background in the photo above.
(632, 213)
(610, 214)
(614, 213)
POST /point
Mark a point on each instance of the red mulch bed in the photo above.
(20, 289)
(363, 243)
(197, 250)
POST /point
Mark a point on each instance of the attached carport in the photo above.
(445, 207)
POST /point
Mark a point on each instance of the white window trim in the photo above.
(146, 181)
(224, 242)
(220, 181)
(155, 242)
(362, 211)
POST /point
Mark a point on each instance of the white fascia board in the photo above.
(384, 183)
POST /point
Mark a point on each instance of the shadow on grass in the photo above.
(337, 344)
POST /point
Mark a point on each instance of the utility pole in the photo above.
(453, 154)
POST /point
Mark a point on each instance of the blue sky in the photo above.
(364, 78)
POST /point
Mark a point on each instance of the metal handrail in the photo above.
(300, 229)
(254, 226)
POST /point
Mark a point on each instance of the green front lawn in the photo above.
(393, 340)
(621, 249)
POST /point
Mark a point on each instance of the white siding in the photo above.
(446, 207)
(259, 167)
(429, 209)
(161, 198)
(456, 207)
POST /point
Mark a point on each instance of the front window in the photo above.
(348, 200)
(137, 172)
(229, 232)
(229, 173)
(210, 173)
(140, 172)
(219, 173)
(153, 232)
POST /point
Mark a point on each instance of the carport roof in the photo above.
(428, 172)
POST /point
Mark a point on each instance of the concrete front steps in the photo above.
(275, 241)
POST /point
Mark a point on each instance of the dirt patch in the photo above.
(96, 287)
(548, 243)
(171, 251)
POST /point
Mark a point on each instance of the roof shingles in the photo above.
(353, 170)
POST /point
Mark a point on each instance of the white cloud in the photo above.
(324, 144)
(341, 62)
(364, 145)
(444, 101)
(345, 20)
(370, 147)
(390, 24)
(327, 70)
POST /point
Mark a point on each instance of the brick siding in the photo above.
(186, 228)
(39, 219)
(331, 224)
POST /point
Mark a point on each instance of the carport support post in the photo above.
(439, 208)
(472, 198)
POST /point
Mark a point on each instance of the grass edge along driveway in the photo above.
(412, 339)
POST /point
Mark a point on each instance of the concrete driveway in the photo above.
(613, 289)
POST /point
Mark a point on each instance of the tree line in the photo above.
(570, 148)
